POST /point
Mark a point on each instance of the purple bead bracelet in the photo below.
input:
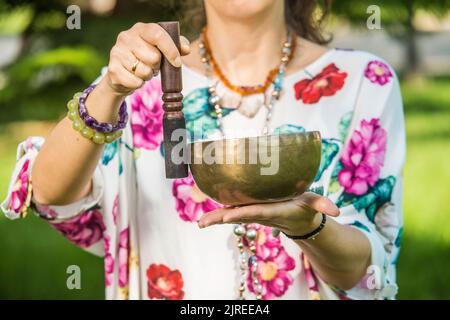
(92, 123)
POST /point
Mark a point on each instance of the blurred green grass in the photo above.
(34, 257)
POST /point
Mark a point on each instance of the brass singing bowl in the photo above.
(227, 171)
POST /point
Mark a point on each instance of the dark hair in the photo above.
(304, 17)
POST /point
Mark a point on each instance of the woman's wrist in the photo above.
(88, 126)
(306, 226)
(103, 103)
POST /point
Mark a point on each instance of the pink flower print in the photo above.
(266, 244)
(115, 209)
(378, 72)
(20, 199)
(124, 249)
(363, 158)
(191, 203)
(146, 116)
(84, 229)
(109, 261)
(273, 274)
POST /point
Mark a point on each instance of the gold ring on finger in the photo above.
(134, 67)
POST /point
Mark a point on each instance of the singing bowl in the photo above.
(234, 182)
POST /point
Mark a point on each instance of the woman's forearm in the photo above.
(62, 172)
(339, 254)
(63, 169)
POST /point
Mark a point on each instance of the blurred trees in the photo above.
(40, 57)
(398, 18)
(42, 62)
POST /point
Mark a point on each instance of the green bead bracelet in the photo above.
(85, 131)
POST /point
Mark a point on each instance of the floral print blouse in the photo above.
(144, 226)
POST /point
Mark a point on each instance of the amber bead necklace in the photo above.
(247, 90)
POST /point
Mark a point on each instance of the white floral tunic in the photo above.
(144, 225)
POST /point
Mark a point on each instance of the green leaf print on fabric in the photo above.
(200, 115)
(317, 190)
(109, 152)
(373, 200)
(360, 225)
(329, 150)
(201, 128)
(120, 165)
(399, 237)
(335, 186)
(344, 124)
(195, 104)
(397, 243)
(288, 128)
(329, 147)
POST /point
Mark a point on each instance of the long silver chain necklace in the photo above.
(248, 262)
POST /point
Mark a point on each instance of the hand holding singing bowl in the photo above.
(271, 192)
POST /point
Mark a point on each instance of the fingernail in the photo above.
(177, 62)
(186, 47)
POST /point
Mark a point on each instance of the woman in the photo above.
(164, 239)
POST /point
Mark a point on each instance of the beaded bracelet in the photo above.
(313, 234)
(86, 131)
(92, 123)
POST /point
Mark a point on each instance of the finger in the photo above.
(245, 214)
(319, 203)
(214, 217)
(129, 60)
(146, 53)
(249, 213)
(157, 36)
(122, 78)
(217, 217)
(141, 50)
(184, 46)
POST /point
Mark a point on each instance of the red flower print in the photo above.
(325, 84)
(164, 283)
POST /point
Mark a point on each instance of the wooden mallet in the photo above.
(173, 119)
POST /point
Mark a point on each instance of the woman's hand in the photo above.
(295, 217)
(340, 255)
(141, 47)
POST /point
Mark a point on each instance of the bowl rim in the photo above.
(315, 134)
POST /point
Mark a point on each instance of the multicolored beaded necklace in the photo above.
(288, 52)
(246, 232)
(215, 100)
